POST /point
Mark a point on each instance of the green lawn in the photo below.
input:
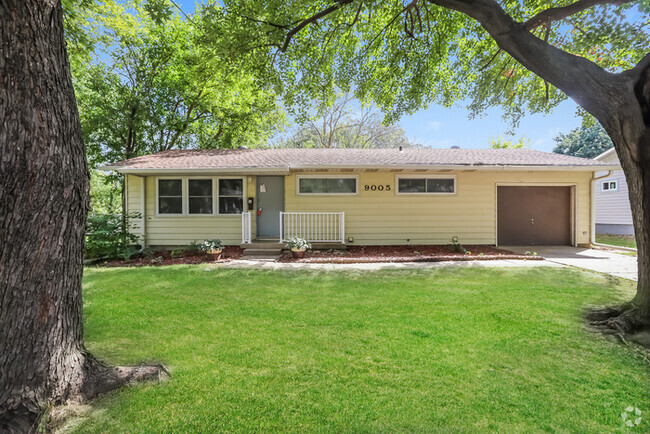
(442, 350)
(616, 240)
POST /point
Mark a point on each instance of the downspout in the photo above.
(592, 235)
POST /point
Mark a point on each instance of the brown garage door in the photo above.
(534, 216)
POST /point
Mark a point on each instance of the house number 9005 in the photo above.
(375, 187)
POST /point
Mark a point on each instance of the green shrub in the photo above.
(108, 236)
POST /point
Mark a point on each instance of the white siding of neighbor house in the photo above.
(612, 207)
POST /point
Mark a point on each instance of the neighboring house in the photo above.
(362, 196)
(613, 213)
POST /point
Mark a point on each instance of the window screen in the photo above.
(170, 196)
(231, 196)
(426, 185)
(327, 186)
(200, 196)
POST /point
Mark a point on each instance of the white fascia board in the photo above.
(605, 154)
(202, 170)
(459, 167)
(287, 170)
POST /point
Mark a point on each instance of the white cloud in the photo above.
(435, 125)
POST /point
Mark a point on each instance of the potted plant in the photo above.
(298, 246)
(212, 248)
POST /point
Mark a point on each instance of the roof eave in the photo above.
(287, 170)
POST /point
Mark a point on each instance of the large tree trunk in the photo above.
(43, 205)
(630, 132)
(621, 102)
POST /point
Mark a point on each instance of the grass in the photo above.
(451, 349)
(616, 240)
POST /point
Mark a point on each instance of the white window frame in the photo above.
(215, 196)
(609, 186)
(186, 194)
(174, 178)
(355, 177)
(425, 177)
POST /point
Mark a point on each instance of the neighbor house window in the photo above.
(426, 185)
(231, 196)
(308, 185)
(609, 186)
(170, 196)
(200, 196)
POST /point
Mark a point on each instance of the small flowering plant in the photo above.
(298, 244)
(211, 246)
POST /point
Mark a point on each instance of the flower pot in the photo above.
(298, 253)
(214, 254)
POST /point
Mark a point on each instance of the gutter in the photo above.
(287, 169)
(592, 236)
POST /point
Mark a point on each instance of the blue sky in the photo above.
(440, 127)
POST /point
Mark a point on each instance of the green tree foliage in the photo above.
(346, 125)
(588, 141)
(153, 83)
(108, 236)
(404, 56)
(503, 143)
(105, 193)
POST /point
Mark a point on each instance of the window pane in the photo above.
(407, 185)
(231, 205)
(231, 187)
(170, 205)
(170, 187)
(200, 205)
(200, 187)
(313, 185)
(342, 185)
(605, 185)
(440, 185)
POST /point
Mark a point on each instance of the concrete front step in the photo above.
(262, 251)
(262, 245)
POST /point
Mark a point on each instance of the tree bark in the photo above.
(43, 207)
(620, 102)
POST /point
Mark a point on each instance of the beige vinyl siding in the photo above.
(182, 230)
(374, 217)
(384, 217)
(133, 187)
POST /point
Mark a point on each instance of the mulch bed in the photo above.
(164, 257)
(370, 254)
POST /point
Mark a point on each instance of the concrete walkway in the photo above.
(499, 263)
(602, 261)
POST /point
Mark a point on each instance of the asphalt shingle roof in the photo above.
(304, 158)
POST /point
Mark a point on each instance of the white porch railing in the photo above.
(246, 228)
(319, 227)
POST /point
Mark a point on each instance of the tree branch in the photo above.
(278, 26)
(584, 81)
(547, 16)
(304, 23)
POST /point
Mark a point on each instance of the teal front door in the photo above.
(270, 201)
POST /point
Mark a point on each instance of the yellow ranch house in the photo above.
(362, 196)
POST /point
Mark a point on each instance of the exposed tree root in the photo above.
(625, 322)
(99, 378)
(102, 378)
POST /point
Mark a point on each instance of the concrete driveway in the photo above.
(603, 261)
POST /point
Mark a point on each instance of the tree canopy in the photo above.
(343, 124)
(503, 143)
(404, 56)
(587, 141)
(146, 81)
